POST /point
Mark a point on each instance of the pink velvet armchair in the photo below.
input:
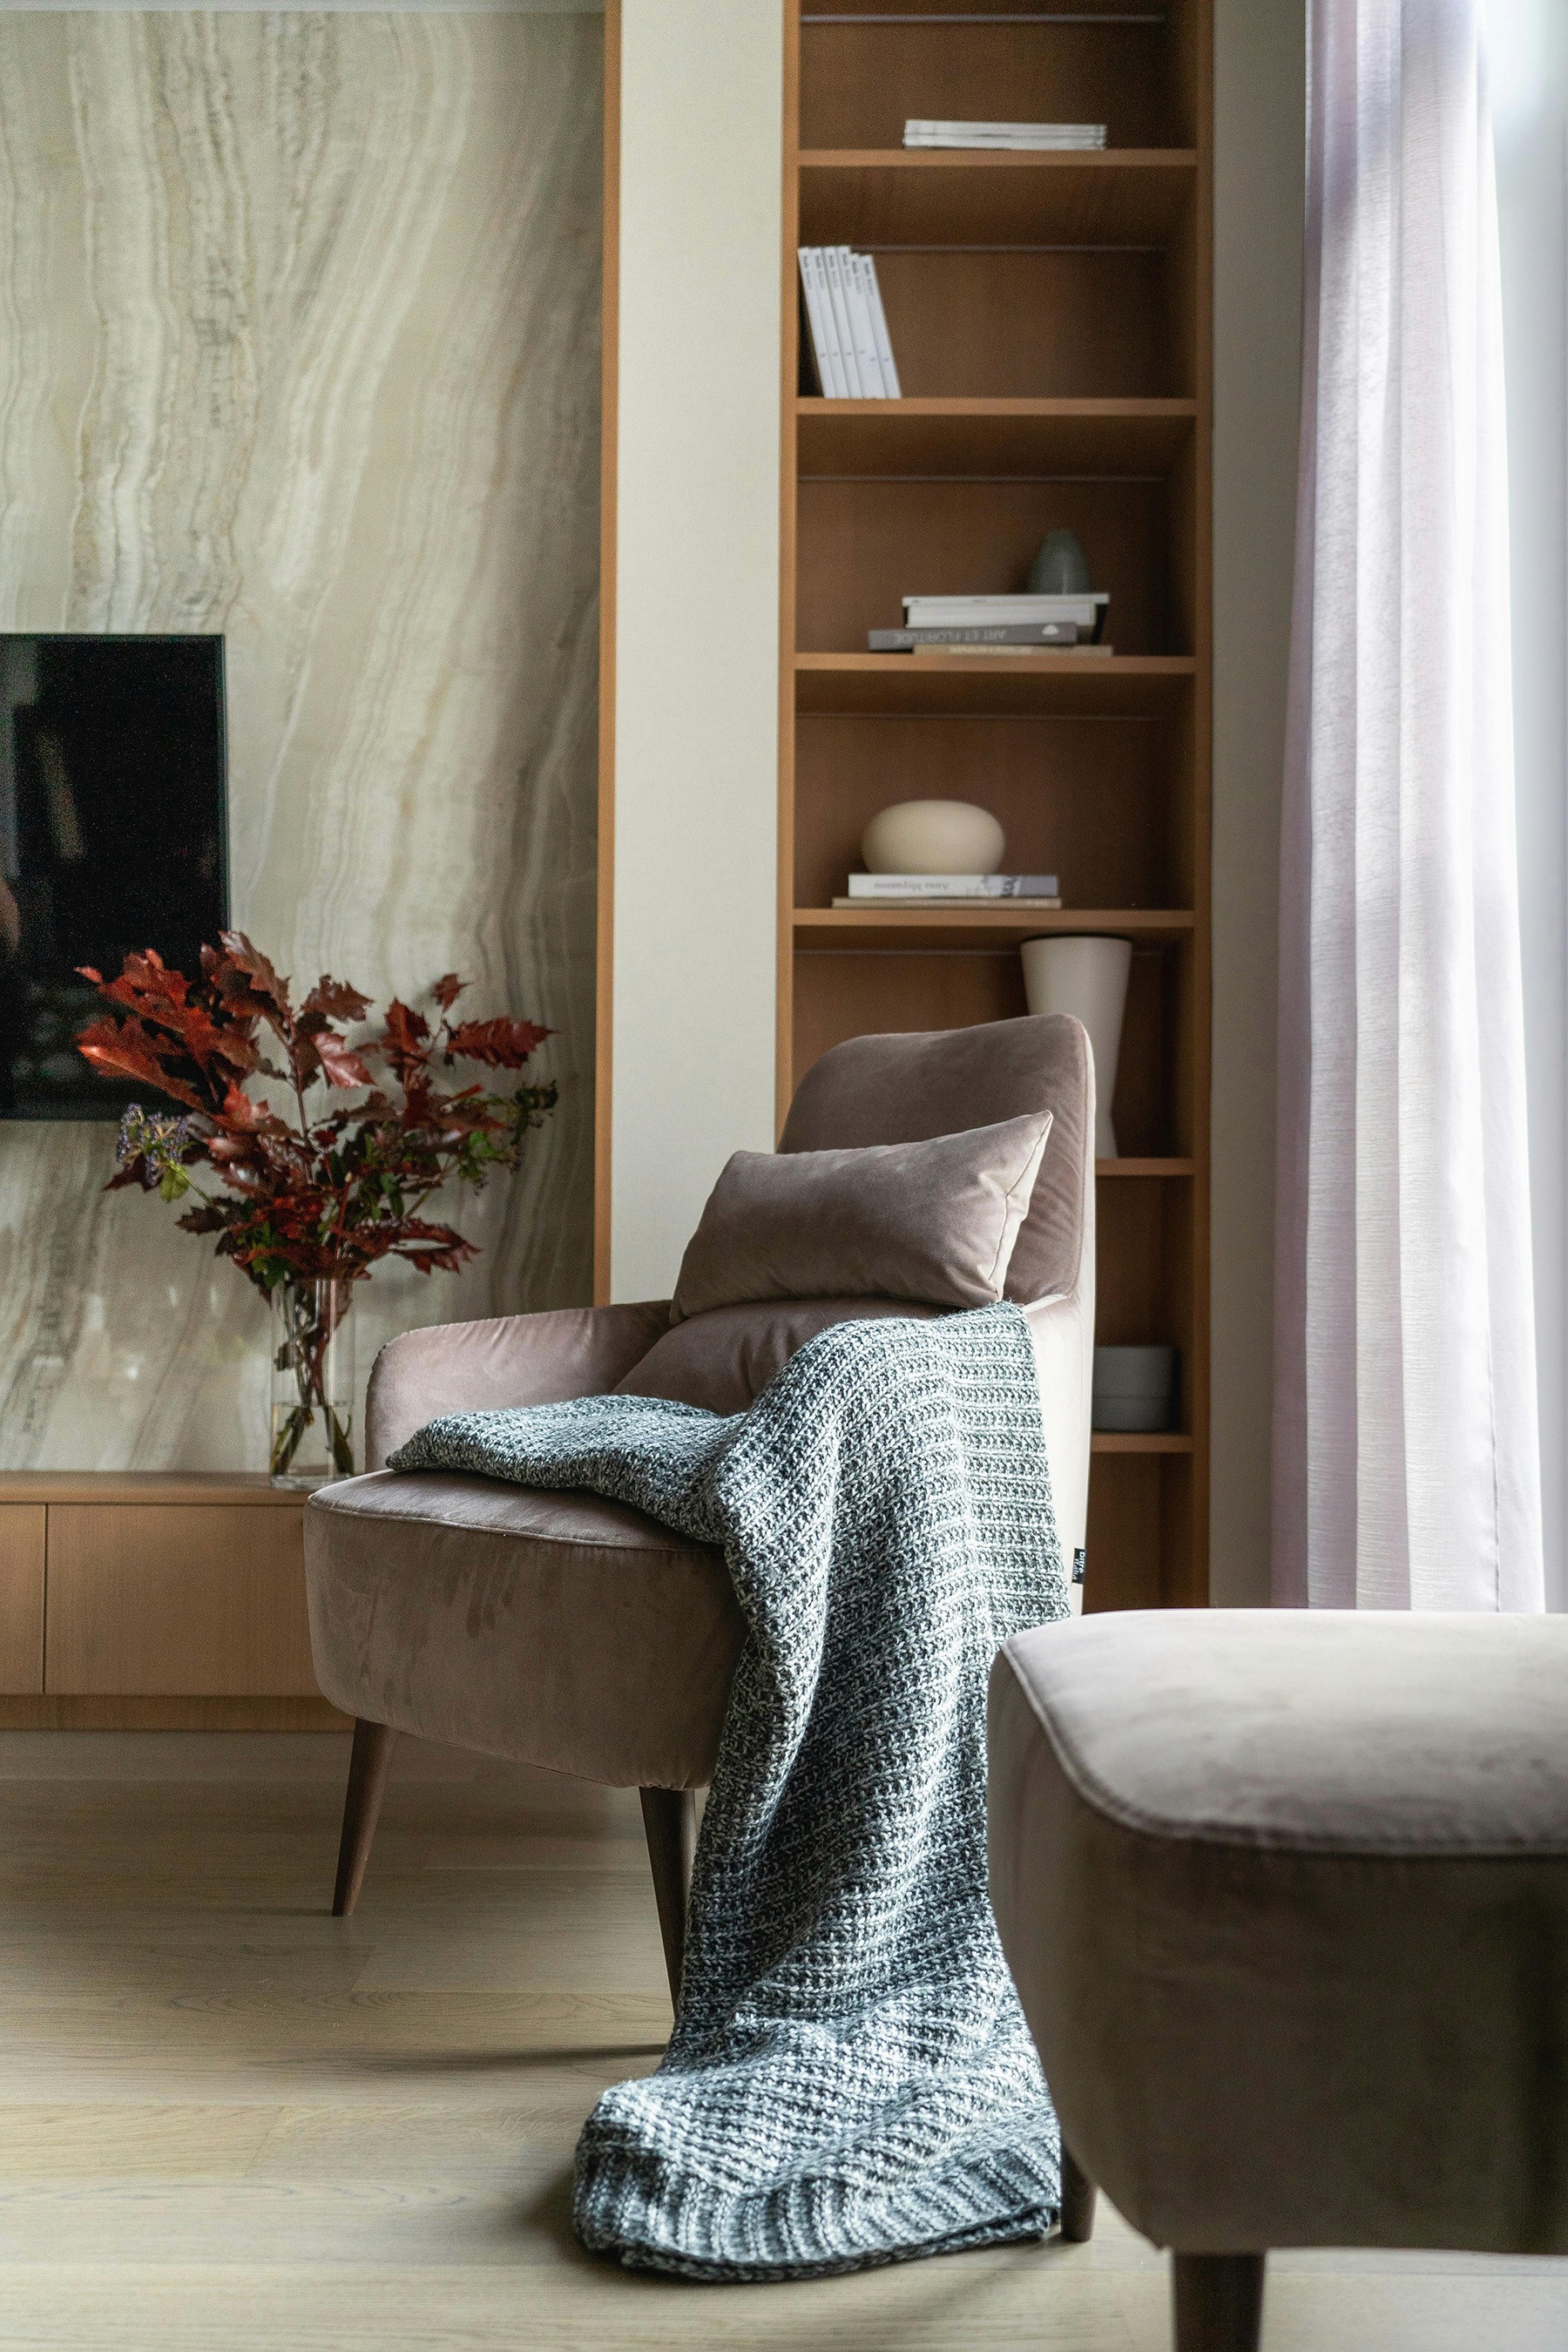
(568, 1631)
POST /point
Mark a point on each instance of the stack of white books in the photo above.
(849, 325)
(1029, 891)
(1028, 137)
(956, 625)
(997, 637)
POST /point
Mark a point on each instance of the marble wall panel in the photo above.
(299, 340)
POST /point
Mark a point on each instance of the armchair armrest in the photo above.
(1063, 1332)
(568, 1351)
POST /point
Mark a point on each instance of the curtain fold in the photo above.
(1407, 1472)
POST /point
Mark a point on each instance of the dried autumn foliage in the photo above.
(306, 1196)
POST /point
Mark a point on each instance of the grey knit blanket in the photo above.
(850, 2079)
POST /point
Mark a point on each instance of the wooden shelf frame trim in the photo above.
(605, 789)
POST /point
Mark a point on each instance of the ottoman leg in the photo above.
(369, 1764)
(669, 1824)
(1218, 2300)
(1078, 2194)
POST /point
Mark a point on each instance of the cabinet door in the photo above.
(21, 1598)
(181, 1600)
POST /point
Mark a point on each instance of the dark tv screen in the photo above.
(112, 838)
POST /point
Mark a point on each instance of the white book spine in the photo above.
(839, 294)
(844, 387)
(975, 612)
(916, 886)
(953, 886)
(1013, 146)
(865, 358)
(923, 131)
(819, 314)
(879, 328)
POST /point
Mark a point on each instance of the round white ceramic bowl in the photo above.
(932, 837)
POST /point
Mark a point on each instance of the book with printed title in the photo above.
(846, 337)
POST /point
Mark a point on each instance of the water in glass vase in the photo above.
(312, 1383)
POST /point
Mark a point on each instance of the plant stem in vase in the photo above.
(313, 1381)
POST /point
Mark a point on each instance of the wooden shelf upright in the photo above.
(1051, 318)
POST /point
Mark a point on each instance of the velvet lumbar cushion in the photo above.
(933, 1222)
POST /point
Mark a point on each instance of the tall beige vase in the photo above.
(1088, 978)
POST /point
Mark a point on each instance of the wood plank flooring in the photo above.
(227, 2120)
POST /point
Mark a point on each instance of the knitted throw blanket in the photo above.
(850, 2079)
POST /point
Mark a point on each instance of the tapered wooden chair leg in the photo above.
(669, 1824)
(1218, 2300)
(368, 1768)
(1079, 2193)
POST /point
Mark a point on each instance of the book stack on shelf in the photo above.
(848, 337)
(1027, 138)
(1028, 891)
(997, 625)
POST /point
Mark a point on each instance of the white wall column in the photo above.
(696, 698)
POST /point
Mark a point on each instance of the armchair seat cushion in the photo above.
(558, 1629)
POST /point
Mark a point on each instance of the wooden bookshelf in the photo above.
(1050, 315)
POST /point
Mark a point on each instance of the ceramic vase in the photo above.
(312, 1383)
(1135, 1389)
(1088, 978)
(1061, 567)
(932, 837)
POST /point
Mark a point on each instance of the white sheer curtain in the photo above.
(1406, 1469)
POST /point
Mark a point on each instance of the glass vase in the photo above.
(312, 1383)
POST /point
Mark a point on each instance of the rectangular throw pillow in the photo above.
(933, 1221)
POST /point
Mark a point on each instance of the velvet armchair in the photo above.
(571, 1632)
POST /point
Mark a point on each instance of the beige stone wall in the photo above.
(299, 340)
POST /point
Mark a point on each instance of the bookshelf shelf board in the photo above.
(1127, 686)
(987, 439)
(965, 19)
(1127, 1441)
(875, 197)
(907, 929)
(1103, 1168)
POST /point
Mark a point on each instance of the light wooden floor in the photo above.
(228, 2121)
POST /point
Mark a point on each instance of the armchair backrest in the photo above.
(904, 1089)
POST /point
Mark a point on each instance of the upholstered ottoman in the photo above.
(1286, 1896)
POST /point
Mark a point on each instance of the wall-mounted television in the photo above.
(113, 837)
